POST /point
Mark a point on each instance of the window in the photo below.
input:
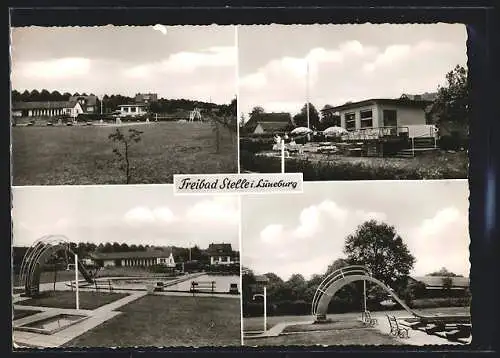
(366, 119)
(133, 109)
(350, 121)
(390, 118)
(125, 109)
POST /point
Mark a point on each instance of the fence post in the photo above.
(76, 283)
(413, 146)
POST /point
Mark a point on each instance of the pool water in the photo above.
(52, 324)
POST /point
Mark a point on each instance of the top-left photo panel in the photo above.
(122, 104)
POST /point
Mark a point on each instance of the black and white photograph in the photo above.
(357, 263)
(124, 266)
(354, 101)
(122, 104)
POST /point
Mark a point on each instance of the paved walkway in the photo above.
(95, 318)
(277, 329)
(415, 337)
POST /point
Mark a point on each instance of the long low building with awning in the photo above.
(134, 258)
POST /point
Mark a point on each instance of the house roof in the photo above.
(389, 101)
(437, 281)
(44, 105)
(272, 126)
(149, 254)
(272, 117)
(220, 249)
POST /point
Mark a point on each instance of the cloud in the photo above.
(272, 234)
(186, 62)
(144, 215)
(441, 240)
(349, 71)
(160, 28)
(55, 69)
(220, 209)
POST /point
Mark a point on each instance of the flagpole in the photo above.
(307, 93)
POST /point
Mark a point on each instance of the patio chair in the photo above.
(368, 320)
(396, 329)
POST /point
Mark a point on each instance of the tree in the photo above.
(451, 103)
(300, 119)
(122, 154)
(378, 246)
(256, 111)
(444, 272)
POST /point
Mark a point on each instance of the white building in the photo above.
(47, 109)
(135, 258)
(132, 110)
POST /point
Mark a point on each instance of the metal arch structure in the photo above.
(346, 275)
(195, 114)
(38, 255)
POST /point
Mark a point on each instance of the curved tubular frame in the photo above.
(37, 255)
(341, 277)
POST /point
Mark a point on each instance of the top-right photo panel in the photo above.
(354, 102)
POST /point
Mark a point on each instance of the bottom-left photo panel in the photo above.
(124, 266)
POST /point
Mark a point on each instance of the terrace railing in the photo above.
(376, 133)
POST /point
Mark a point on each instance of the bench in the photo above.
(197, 286)
(367, 319)
(396, 329)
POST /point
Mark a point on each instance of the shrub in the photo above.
(453, 142)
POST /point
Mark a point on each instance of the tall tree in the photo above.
(451, 103)
(300, 119)
(378, 246)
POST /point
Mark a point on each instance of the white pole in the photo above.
(364, 295)
(265, 310)
(76, 283)
(307, 94)
(283, 156)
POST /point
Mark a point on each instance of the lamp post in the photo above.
(307, 93)
(264, 296)
(282, 155)
(76, 283)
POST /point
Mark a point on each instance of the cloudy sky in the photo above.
(304, 233)
(148, 214)
(192, 62)
(346, 62)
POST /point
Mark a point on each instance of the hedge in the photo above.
(329, 170)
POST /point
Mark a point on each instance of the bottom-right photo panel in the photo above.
(357, 263)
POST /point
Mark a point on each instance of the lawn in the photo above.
(18, 314)
(438, 165)
(168, 321)
(83, 154)
(354, 336)
(66, 299)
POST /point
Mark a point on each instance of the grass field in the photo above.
(18, 314)
(66, 299)
(83, 154)
(168, 321)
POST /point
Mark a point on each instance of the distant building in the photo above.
(134, 259)
(132, 110)
(146, 98)
(438, 282)
(89, 103)
(222, 254)
(269, 123)
(47, 109)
